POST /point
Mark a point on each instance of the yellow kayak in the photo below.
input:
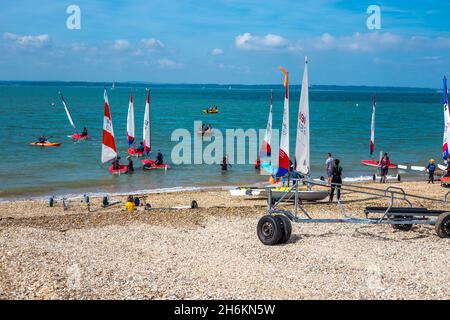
(210, 111)
(46, 144)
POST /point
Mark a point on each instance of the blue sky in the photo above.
(226, 41)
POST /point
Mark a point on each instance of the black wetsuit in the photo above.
(159, 159)
(336, 179)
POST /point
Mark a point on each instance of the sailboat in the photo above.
(148, 163)
(76, 135)
(131, 136)
(302, 146)
(109, 150)
(446, 140)
(373, 162)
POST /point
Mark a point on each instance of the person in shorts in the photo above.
(329, 164)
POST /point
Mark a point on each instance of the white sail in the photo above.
(446, 140)
(69, 116)
(130, 122)
(147, 127)
(302, 148)
(109, 150)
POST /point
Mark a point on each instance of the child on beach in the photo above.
(431, 168)
(130, 205)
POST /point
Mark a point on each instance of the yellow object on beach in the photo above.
(130, 206)
(289, 188)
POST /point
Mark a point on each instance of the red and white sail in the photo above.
(266, 149)
(147, 127)
(131, 136)
(372, 128)
(283, 160)
(302, 147)
(109, 150)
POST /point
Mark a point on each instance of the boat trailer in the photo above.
(275, 227)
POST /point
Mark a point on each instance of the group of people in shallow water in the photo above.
(130, 167)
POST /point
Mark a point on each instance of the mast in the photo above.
(109, 151)
(302, 147)
(69, 116)
(283, 160)
(147, 126)
(130, 123)
(372, 128)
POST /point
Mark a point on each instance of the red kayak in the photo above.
(151, 165)
(78, 136)
(134, 152)
(122, 169)
(373, 163)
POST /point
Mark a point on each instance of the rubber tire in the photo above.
(402, 227)
(286, 226)
(441, 224)
(269, 230)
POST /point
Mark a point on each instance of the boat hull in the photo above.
(373, 163)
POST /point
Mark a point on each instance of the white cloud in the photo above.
(39, 41)
(247, 41)
(168, 64)
(151, 43)
(216, 52)
(121, 45)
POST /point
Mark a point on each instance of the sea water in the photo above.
(409, 126)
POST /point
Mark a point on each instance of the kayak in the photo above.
(153, 166)
(46, 144)
(134, 152)
(210, 111)
(77, 136)
(373, 163)
(122, 169)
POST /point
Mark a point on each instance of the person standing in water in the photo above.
(130, 164)
(159, 158)
(224, 165)
(336, 180)
(84, 133)
(384, 165)
(329, 164)
(431, 168)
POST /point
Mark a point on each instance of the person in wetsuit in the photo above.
(159, 158)
(336, 180)
(42, 139)
(224, 164)
(84, 133)
(130, 164)
(116, 163)
(140, 148)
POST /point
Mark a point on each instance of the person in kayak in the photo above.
(336, 180)
(431, 168)
(159, 158)
(384, 165)
(130, 164)
(42, 139)
(84, 133)
(329, 164)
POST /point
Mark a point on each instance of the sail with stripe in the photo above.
(69, 116)
(131, 136)
(266, 149)
(446, 140)
(109, 150)
(147, 126)
(372, 128)
(283, 158)
(302, 147)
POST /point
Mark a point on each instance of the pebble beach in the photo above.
(213, 252)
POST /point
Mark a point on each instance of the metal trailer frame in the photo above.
(388, 218)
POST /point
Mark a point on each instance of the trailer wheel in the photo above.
(442, 225)
(286, 228)
(269, 230)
